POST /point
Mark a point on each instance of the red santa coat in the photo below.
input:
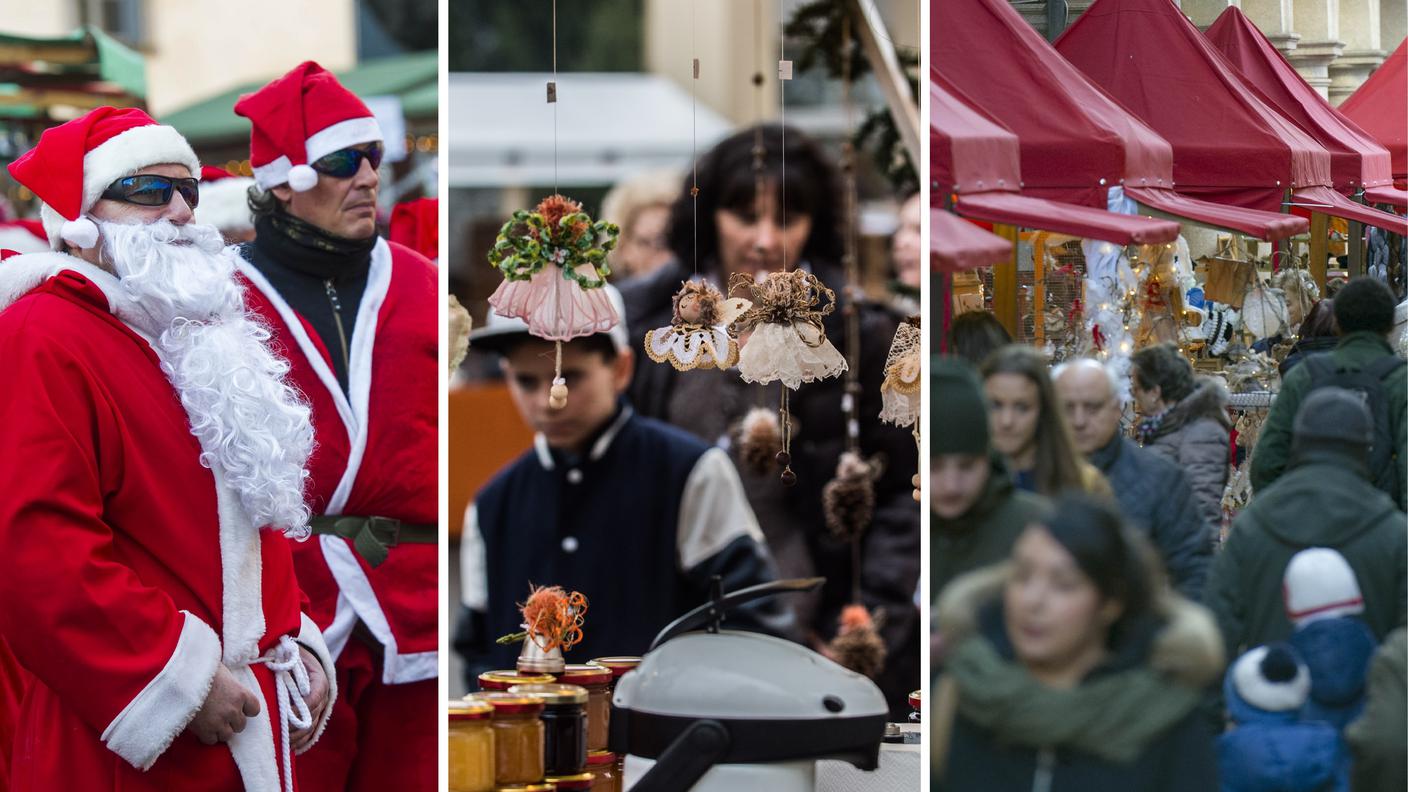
(130, 570)
(376, 454)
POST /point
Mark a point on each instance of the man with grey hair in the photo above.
(1152, 492)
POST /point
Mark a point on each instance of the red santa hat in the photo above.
(1319, 584)
(416, 224)
(298, 118)
(224, 200)
(75, 162)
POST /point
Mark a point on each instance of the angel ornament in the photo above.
(789, 341)
(698, 338)
(899, 392)
(554, 264)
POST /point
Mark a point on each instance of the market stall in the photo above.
(1380, 107)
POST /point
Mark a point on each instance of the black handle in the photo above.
(711, 613)
(689, 757)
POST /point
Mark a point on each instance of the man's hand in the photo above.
(225, 710)
(317, 700)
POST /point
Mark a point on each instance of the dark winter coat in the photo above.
(1323, 501)
(1180, 759)
(1272, 456)
(1278, 751)
(985, 535)
(1193, 435)
(1337, 652)
(1304, 347)
(1157, 497)
(1379, 739)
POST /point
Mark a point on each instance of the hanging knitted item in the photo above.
(899, 392)
(759, 439)
(698, 337)
(789, 342)
(1219, 329)
(554, 264)
(858, 645)
(552, 624)
(848, 501)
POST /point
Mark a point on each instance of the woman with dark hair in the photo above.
(1318, 333)
(755, 216)
(973, 335)
(1185, 420)
(1073, 667)
(1029, 428)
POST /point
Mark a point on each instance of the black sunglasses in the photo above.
(147, 189)
(344, 163)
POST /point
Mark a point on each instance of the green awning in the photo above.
(414, 78)
(88, 54)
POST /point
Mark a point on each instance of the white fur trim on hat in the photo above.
(352, 132)
(224, 203)
(1264, 694)
(1319, 584)
(119, 156)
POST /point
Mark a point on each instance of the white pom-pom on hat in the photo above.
(302, 178)
(81, 233)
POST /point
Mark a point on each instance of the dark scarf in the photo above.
(302, 246)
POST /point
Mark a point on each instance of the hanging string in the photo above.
(552, 98)
(759, 151)
(851, 313)
(694, 134)
(784, 73)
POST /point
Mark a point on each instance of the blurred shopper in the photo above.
(1318, 333)
(1323, 604)
(1270, 747)
(744, 229)
(153, 461)
(907, 257)
(224, 203)
(1074, 668)
(1185, 421)
(635, 514)
(1323, 500)
(357, 318)
(1378, 741)
(640, 205)
(1029, 428)
(976, 511)
(973, 335)
(1152, 492)
(1362, 361)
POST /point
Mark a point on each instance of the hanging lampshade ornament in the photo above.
(698, 336)
(554, 264)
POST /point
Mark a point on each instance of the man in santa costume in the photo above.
(153, 460)
(357, 318)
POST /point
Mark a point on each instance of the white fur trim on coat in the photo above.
(144, 729)
(119, 156)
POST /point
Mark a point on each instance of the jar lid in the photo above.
(584, 675)
(505, 703)
(503, 680)
(470, 710)
(579, 781)
(915, 699)
(617, 665)
(552, 694)
(601, 758)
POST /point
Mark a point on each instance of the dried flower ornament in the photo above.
(552, 624)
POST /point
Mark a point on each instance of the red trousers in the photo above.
(380, 736)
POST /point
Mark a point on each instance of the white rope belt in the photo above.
(292, 685)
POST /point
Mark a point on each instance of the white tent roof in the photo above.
(608, 126)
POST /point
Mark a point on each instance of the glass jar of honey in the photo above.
(518, 736)
(597, 680)
(471, 747)
(503, 680)
(602, 765)
(564, 719)
(581, 781)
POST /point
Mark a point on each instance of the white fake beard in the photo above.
(180, 288)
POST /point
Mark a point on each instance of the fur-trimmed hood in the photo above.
(1208, 400)
(1186, 646)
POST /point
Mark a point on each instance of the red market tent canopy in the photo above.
(1076, 141)
(976, 158)
(957, 244)
(1380, 107)
(1356, 159)
(1229, 144)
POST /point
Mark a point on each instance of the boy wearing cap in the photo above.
(356, 317)
(633, 513)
